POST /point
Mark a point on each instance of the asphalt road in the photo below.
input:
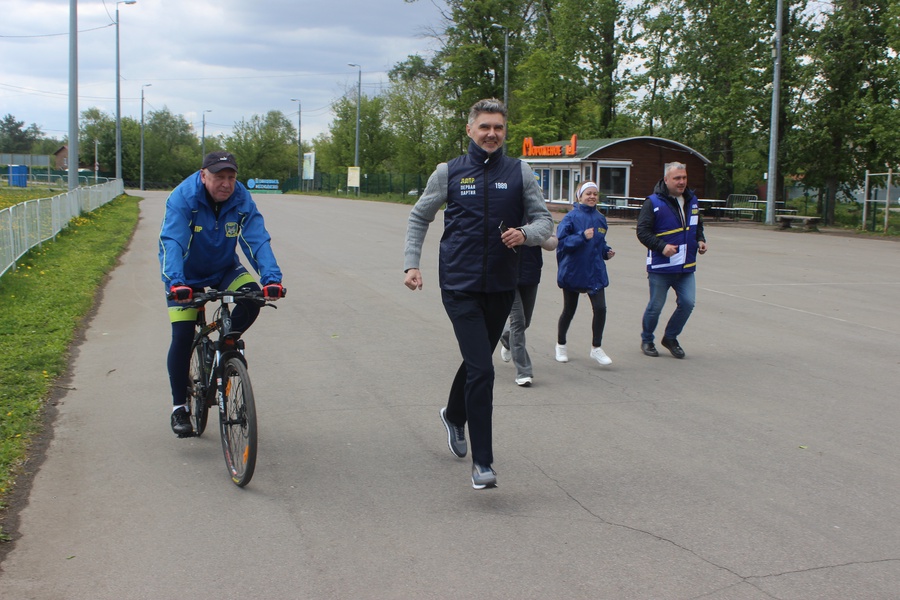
(764, 465)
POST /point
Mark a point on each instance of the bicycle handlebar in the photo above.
(201, 298)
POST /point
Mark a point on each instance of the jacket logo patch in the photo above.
(231, 230)
(198, 228)
(467, 186)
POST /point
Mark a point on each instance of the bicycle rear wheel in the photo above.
(198, 392)
(238, 426)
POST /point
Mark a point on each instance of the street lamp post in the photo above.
(358, 101)
(142, 133)
(771, 190)
(96, 164)
(505, 63)
(119, 96)
(203, 135)
(299, 148)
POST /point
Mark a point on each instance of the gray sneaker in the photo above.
(456, 436)
(483, 477)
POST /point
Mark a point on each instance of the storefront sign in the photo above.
(529, 149)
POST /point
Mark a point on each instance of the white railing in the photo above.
(31, 223)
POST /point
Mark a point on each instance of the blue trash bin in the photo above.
(18, 175)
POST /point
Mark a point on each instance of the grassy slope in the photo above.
(43, 303)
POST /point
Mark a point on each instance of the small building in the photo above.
(624, 167)
(61, 158)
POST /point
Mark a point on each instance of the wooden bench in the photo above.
(785, 211)
(808, 222)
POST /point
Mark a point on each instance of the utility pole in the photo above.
(771, 190)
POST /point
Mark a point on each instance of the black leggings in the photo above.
(179, 359)
(570, 303)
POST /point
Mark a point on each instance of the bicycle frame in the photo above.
(225, 343)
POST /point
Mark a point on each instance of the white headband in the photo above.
(586, 186)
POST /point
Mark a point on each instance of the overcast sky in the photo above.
(236, 58)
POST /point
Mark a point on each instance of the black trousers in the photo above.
(598, 323)
(478, 320)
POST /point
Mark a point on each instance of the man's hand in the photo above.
(181, 293)
(702, 249)
(670, 250)
(589, 233)
(413, 279)
(274, 291)
(512, 238)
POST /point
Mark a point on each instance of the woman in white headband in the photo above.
(582, 254)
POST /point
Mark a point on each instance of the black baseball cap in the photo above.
(216, 161)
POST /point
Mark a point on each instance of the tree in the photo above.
(97, 126)
(14, 138)
(417, 118)
(851, 116)
(474, 50)
(264, 145)
(336, 150)
(720, 60)
(171, 149)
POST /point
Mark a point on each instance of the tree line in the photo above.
(696, 71)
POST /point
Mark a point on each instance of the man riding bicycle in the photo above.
(206, 216)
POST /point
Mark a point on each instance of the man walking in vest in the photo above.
(487, 196)
(671, 227)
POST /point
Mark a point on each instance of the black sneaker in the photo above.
(181, 423)
(456, 436)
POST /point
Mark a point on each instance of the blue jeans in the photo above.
(685, 295)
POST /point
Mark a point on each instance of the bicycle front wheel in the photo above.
(198, 391)
(238, 424)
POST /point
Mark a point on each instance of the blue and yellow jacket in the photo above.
(197, 247)
(661, 222)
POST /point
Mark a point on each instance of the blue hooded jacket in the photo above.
(581, 261)
(197, 247)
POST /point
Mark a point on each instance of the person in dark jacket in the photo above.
(487, 194)
(581, 256)
(671, 227)
(206, 216)
(512, 341)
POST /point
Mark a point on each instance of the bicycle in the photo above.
(218, 376)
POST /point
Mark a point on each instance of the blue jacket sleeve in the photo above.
(174, 237)
(257, 244)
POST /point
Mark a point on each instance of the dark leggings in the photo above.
(179, 359)
(570, 303)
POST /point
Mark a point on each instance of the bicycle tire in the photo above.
(238, 426)
(197, 386)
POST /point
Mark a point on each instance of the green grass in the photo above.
(44, 302)
(13, 195)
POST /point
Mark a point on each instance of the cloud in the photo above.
(234, 57)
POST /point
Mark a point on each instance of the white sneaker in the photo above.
(600, 356)
(561, 354)
(523, 381)
(505, 353)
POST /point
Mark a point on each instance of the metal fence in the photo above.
(31, 223)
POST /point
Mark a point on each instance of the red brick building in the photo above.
(627, 167)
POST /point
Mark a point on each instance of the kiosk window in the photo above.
(611, 180)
